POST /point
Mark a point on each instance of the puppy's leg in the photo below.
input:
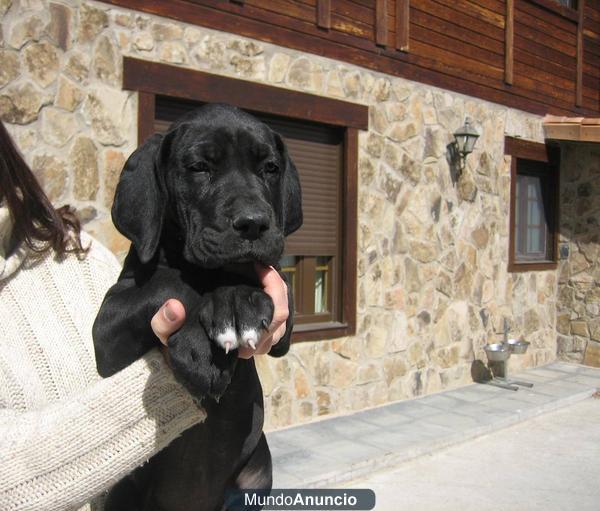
(257, 473)
(124, 496)
(202, 366)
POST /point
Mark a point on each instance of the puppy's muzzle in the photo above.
(251, 225)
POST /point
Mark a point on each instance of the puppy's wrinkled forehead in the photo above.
(213, 130)
(215, 145)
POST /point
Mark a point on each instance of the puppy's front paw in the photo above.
(235, 316)
(203, 368)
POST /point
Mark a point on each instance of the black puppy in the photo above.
(217, 192)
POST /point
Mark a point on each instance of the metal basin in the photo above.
(517, 346)
(497, 352)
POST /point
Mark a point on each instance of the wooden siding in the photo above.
(460, 45)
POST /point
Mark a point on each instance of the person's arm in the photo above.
(64, 454)
(61, 456)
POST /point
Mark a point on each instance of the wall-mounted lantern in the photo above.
(464, 141)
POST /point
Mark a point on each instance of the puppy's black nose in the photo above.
(251, 225)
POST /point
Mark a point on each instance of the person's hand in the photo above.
(276, 288)
(168, 319)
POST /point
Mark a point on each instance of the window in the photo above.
(534, 205)
(322, 137)
(568, 3)
(312, 255)
(565, 8)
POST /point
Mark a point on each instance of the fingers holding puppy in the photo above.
(168, 319)
(276, 288)
(253, 336)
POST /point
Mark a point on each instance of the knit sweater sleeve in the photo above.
(60, 455)
(63, 455)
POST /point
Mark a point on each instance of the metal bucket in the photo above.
(497, 352)
(517, 346)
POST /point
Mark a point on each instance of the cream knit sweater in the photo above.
(67, 435)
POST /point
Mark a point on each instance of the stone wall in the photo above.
(578, 321)
(433, 246)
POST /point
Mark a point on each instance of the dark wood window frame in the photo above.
(526, 150)
(570, 13)
(151, 79)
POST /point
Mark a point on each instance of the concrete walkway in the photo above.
(549, 463)
(330, 452)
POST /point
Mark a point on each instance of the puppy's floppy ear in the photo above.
(291, 194)
(139, 204)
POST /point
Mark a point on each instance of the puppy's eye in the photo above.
(200, 166)
(271, 167)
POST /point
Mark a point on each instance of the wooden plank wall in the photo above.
(591, 53)
(461, 45)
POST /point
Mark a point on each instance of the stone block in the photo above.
(105, 63)
(59, 27)
(104, 109)
(77, 66)
(324, 402)
(91, 22)
(245, 47)
(466, 187)
(52, 174)
(302, 387)
(58, 126)
(381, 90)
(352, 84)
(84, 162)
(113, 165)
(9, 66)
(281, 408)
(278, 66)
(167, 31)
(334, 85)
(305, 75)
(68, 96)
(173, 52)
(41, 61)
(580, 328)
(594, 325)
(25, 30)
(143, 41)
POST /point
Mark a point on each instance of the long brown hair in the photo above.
(35, 221)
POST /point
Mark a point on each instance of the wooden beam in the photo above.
(159, 79)
(381, 32)
(324, 14)
(146, 115)
(509, 41)
(402, 25)
(579, 78)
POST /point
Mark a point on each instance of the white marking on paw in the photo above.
(228, 337)
(249, 338)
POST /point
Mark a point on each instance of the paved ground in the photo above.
(327, 453)
(549, 463)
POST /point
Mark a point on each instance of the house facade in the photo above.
(410, 260)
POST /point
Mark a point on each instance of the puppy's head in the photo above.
(221, 179)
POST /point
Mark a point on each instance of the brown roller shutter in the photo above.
(316, 150)
(319, 168)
